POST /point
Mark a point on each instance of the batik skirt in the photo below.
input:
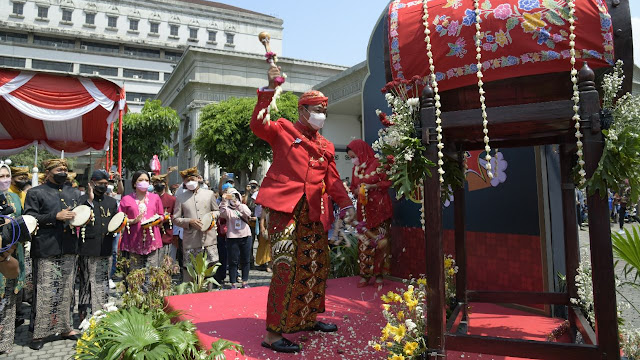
(8, 315)
(53, 295)
(94, 282)
(374, 255)
(299, 251)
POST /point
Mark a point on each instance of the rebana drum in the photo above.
(117, 223)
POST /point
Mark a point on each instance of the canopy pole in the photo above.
(120, 143)
(111, 150)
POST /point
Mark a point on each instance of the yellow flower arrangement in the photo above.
(410, 347)
(403, 335)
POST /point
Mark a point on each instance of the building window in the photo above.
(98, 70)
(148, 53)
(172, 56)
(173, 30)
(230, 39)
(154, 28)
(98, 47)
(51, 65)
(18, 8)
(90, 19)
(139, 97)
(67, 15)
(193, 33)
(212, 36)
(112, 21)
(54, 42)
(13, 37)
(141, 74)
(12, 62)
(43, 12)
(133, 24)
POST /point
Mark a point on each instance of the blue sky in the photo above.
(338, 31)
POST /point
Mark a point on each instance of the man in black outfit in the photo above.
(95, 251)
(54, 251)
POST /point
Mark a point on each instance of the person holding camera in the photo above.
(12, 266)
(54, 251)
(238, 236)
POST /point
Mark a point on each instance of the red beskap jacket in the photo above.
(303, 164)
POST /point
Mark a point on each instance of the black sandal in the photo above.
(283, 345)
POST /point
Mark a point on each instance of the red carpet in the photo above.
(238, 315)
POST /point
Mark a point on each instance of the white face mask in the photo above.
(355, 161)
(192, 185)
(316, 120)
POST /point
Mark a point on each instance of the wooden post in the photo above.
(433, 231)
(459, 208)
(604, 291)
(569, 219)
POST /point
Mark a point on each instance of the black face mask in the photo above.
(159, 187)
(100, 189)
(20, 184)
(60, 178)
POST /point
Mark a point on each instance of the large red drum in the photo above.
(519, 38)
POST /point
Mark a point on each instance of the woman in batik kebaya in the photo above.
(370, 184)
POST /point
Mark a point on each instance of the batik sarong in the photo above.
(94, 282)
(53, 295)
(212, 256)
(299, 251)
(374, 255)
(8, 315)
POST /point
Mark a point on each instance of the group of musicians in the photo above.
(76, 231)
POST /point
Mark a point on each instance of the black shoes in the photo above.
(324, 327)
(283, 345)
(19, 322)
(36, 344)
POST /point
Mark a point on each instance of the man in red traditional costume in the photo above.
(295, 191)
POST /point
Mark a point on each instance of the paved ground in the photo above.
(58, 349)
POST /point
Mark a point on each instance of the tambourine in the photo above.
(83, 215)
(117, 223)
(155, 220)
(208, 222)
(81, 219)
(31, 223)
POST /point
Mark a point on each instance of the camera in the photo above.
(21, 231)
(5, 208)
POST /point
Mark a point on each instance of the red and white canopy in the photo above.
(60, 112)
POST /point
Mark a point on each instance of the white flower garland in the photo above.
(576, 93)
(434, 85)
(483, 107)
(421, 189)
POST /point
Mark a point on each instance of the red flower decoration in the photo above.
(391, 159)
(384, 120)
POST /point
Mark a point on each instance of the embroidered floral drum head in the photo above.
(519, 38)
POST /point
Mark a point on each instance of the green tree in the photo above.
(27, 156)
(146, 134)
(224, 137)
